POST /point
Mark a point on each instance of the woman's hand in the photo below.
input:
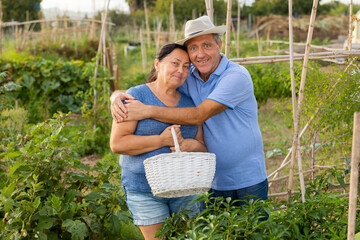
(187, 145)
(167, 138)
(118, 109)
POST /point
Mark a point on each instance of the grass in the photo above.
(277, 136)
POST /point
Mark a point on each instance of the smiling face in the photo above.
(174, 68)
(204, 53)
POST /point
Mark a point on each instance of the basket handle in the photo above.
(177, 147)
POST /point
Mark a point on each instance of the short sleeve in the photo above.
(233, 89)
(134, 91)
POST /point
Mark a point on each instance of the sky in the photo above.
(96, 5)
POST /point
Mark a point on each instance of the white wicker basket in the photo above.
(181, 173)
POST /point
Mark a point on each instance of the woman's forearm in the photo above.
(135, 145)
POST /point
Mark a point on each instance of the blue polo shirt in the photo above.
(234, 134)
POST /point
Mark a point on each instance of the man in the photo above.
(226, 106)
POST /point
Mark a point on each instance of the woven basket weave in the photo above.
(180, 174)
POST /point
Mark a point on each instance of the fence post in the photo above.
(354, 176)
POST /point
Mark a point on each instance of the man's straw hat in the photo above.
(200, 26)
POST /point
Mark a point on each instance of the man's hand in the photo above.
(118, 110)
(136, 110)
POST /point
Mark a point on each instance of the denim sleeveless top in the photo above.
(132, 168)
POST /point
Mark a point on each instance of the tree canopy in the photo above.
(16, 10)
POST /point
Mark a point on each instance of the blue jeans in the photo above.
(257, 191)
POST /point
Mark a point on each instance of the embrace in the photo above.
(210, 101)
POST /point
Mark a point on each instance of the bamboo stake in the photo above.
(117, 76)
(172, 21)
(228, 30)
(10, 24)
(301, 175)
(301, 95)
(324, 58)
(238, 30)
(334, 54)
(147, 24)
(312, 46)
(280, 194)
(210, 9)
(293, 94)
(268, 38)
(295, 174)
(258, 42)
(98, 55)
(0, 28)
(350, 27)
(354, 176)
(143, 51)
(158, 36)
(285, 161)
(193, 13)
(104, 16)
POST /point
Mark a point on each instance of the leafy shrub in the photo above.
(45, 87)
(270, 81)
(47, 193)
(322, 216)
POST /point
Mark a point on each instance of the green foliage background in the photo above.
(16, 10)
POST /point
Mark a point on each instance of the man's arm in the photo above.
(180, 115)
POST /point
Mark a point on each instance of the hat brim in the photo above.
(217, 30)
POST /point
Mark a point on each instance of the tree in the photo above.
(17, 10)
(183, 10)
(280, 7)
(135, 5)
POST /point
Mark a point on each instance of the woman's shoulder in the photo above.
(138, 91)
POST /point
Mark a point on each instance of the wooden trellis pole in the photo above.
(172, 22)
(297, 57)
(354, 177)
(238, 29)
(210, 9)
(0, 28)
(98, 53)
(258, 40)
(228, 30)
(301, 96)
(158, 32)
(147, 24)
(143, 51)
(286, 160)
(350, 27)
(293, 95)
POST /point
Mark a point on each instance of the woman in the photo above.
(138, 140)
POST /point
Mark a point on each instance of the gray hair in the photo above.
(216, 36)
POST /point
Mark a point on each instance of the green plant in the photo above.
(47, 193)
(44, 87)
(322, 216)
(12, 121)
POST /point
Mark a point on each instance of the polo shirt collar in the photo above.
(218, 71)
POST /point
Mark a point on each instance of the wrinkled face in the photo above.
(174, 68)
(204, 53)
